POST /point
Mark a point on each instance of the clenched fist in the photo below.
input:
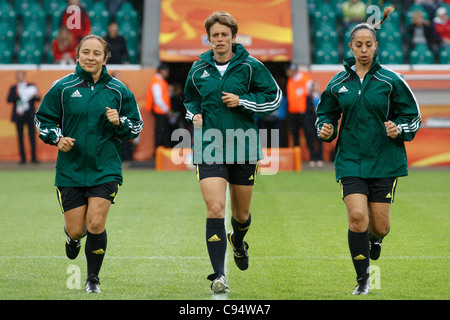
(113, 116)
(326, 131)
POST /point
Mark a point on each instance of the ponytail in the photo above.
(374, 28)
(387, 11)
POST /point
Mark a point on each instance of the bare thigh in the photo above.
(379, 218)
(214, 194)
(97, 212)
(357, 212)
(75, 222)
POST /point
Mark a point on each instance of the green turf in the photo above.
(156, 240)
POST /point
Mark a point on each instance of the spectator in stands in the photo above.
(420, 31)
(158, 102)
(63, 47)
(442, 25)
(117, 45)
(430, 6)
(76, 19)
(353, 12)
(297, 89)
(23, 95)
(113, 6)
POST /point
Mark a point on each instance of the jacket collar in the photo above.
(104, 76)
(350, 62)
(239, 53)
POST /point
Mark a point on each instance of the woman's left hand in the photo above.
(391, 129)
(113, 116)
(230, 99)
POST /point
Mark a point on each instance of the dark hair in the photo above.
(373, 28)
(163, 66)
(224, 18)
(102, 41)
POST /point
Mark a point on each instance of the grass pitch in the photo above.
(157, 251)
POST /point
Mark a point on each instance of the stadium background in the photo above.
(309, 33)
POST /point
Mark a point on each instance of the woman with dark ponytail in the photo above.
(377, 112)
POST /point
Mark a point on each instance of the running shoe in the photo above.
(363, 287)
(240, 254)
(375, 247)
(219, 283)
(92, 285)
(72, 248)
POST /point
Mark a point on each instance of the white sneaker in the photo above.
(219, 283)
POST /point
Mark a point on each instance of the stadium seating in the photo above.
(392, 53)
(5, 53)
(30, 53)
(127, 14)
(421, 54)
(327, 54)
(27, 27)
(392, 37)
(389, 33)
(325, 33)
(38, 22)
(7, 35)
(444, 55)
(99, 17)
(128, 22)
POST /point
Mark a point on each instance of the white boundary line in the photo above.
(206, 258)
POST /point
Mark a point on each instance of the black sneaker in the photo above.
(219, 283)
(363, 287)
(375, 247)
(72, 248)
(92, 284)
(240, 254)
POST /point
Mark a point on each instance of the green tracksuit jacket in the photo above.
(75, 107)
(229, 135)
(363, 148)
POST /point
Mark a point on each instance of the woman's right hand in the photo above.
(326, 131)
(65, 144)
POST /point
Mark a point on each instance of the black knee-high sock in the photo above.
(239, 230)
(216, 243)
(95, 252)
(358, 243)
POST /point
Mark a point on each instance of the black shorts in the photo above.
(376, 190)
(73, 197)
(239, 174)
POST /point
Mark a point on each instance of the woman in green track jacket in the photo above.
(379, 112)
(224, 91)
(87, 114)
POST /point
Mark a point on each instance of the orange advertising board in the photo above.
(280, 159)
(265, 28)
